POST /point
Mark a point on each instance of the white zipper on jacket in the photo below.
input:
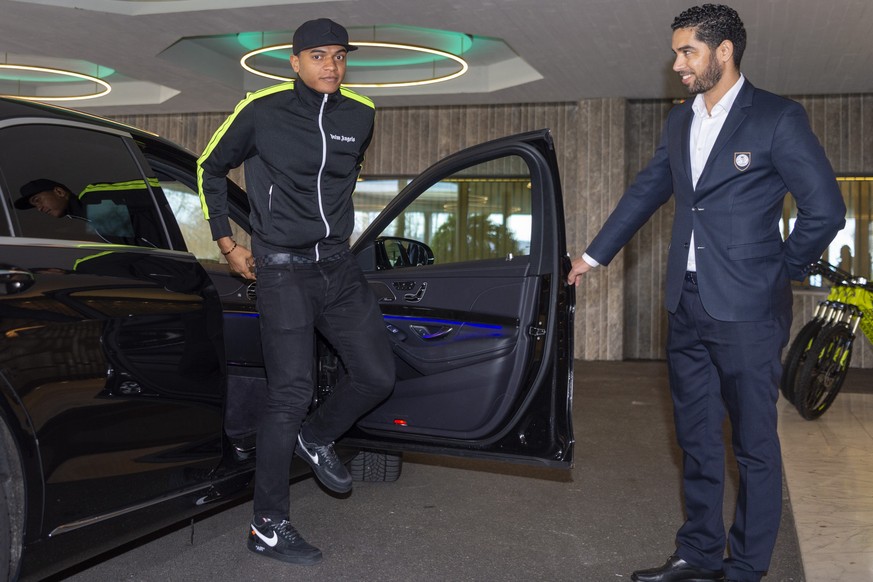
(270, 199)
(320, 172)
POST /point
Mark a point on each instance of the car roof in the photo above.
(12, 108)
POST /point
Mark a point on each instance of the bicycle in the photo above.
(818, 359)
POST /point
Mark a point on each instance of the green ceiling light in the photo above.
(44, 76)
(457, 43)
(463, 67)
(394, 60)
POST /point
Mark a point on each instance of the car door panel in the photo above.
(482, 341)
(463, 381)
(460, 320)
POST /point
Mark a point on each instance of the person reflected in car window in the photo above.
(303, 144)
(123, 211)
(50, 197)
(116, 212)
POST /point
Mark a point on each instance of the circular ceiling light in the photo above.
(463, 66)
(105, 87)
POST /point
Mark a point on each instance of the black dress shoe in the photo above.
(677, 570)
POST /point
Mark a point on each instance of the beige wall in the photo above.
(601, 145)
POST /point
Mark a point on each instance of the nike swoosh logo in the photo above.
(312, 457)
(272, 541)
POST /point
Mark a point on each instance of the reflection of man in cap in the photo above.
(303, 143)
(49, 197)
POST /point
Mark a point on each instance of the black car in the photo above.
(130, 365)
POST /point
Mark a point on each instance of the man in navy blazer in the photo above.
(727, 157)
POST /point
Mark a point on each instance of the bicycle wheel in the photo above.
(797, 355)
(822, 374)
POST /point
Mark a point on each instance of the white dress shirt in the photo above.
(705, 128)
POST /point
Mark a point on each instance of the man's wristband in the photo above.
(228, 252)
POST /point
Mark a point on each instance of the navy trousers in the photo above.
(719, 367)
(295, 299)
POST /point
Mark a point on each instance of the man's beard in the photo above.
(708, 79)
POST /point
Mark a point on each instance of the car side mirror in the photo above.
(396, 252)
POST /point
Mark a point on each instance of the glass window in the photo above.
(185, 204)
(851, 248)
(78, 184)
(370, 198)
(482, 212)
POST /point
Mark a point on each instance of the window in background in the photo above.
(851, 248)
(482, 212)
(185, 204)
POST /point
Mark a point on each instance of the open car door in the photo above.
(469, 263)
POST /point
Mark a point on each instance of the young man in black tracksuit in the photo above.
(303, 143)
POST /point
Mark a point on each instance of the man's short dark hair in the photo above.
(713, 24)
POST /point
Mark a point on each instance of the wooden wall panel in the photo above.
(646, 254)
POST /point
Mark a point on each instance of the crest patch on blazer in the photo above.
(742, 160)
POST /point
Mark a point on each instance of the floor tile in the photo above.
(829, 471)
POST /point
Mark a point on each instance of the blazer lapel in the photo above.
(735, 118)
(686, 143)
(680, 137)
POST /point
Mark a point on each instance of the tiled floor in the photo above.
(829, 471)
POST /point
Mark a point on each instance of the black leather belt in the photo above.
(691, 277)
(289, 258)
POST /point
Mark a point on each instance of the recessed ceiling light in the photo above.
(463, 67)
(101, 87)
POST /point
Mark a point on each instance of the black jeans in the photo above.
(295, 299)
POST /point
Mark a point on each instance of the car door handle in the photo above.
(15, 280)
(427, 333)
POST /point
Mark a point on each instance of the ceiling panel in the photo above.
(578, 49)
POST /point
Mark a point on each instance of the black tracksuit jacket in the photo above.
(303, 152)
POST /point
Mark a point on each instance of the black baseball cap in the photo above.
(320, 32)
(33, 188)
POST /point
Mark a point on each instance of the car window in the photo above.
(185, 205)
(482, 212)
(90, 187)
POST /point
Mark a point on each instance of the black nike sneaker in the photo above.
(282, 542)
(325, 463)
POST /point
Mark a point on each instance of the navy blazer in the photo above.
(765, 149)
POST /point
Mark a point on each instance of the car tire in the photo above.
(11, 506)
(376, 466)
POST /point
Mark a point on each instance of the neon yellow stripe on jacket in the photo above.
(357, 97)
(219, 133)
